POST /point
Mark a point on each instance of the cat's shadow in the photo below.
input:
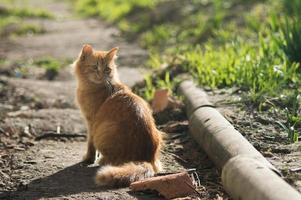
(73, 180)
(70, 180)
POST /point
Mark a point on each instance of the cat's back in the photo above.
(126, 119)
(125, 128)
(125, 105)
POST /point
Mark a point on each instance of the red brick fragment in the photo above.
(170, 186)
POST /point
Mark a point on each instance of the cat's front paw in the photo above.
(102, 161)
(88, 159)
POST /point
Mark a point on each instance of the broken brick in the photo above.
(170, 186)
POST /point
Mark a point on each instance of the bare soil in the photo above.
(262, 131)
(31, 108)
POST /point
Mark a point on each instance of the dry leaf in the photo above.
(160, 101)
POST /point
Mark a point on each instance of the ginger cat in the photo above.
(119, 123)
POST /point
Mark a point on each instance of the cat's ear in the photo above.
(112, 54)
(86, 51)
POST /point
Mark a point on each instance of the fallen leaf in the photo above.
(160, 100)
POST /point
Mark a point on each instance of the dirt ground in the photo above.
(263, 132)
(34, 166)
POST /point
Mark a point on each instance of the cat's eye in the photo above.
(107, 70)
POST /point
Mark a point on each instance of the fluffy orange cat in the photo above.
(119, 123)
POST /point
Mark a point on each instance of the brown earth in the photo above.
(262, 130)
(31, 107)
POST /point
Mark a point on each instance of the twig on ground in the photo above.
(177, 157)
(189, 185)
(298, 169)
(53, 134)
(189, 171)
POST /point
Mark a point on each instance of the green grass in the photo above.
(111, 10)
(24, 12)
(253, 45)
(12, 19)
(291, 31)
(152, 84)
(50, 65)
(28, 29)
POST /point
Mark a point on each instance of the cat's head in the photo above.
(96, 66)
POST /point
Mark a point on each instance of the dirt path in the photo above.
(66, 35)
(51, 169)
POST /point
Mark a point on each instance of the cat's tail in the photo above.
(124, 175)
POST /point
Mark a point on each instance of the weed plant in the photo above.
(12, 19)
(253, 45)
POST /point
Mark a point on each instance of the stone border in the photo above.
(246, 174)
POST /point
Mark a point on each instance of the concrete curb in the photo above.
(248, 179)
(231, 152)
